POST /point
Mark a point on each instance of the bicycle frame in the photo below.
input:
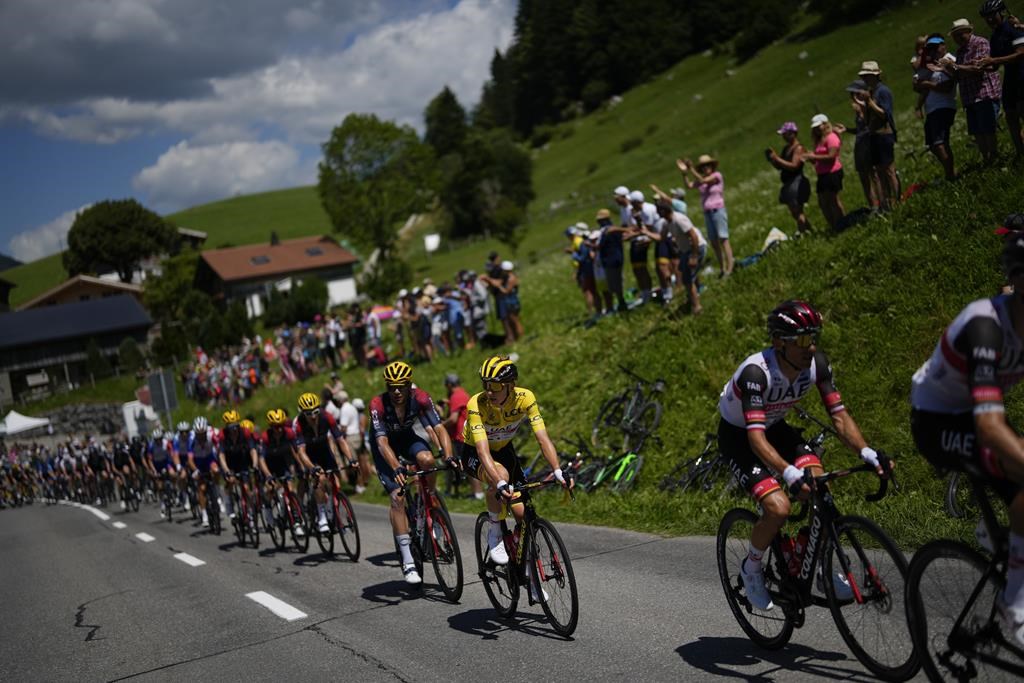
(418, 510)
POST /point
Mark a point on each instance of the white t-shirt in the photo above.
(936, 99)
(333, 410)
(348, 419)
(679, 227)
(648, 215)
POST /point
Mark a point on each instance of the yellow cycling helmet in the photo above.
(231, 417)
(309, 402)
(277, 417)
(499, 369)
(249, 424)
(398, 373)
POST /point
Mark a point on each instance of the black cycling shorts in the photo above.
(405, 448)
(506, 457)
(752, 474)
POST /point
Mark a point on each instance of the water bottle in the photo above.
(799, 548)
(788, 554)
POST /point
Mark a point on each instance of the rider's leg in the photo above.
(425, 461)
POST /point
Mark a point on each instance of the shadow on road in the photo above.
(384, 560)
(392, 592)
(317, 559)
(489, 626)
(740, 658)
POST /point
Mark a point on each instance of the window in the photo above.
(260, 260)
(314, 251)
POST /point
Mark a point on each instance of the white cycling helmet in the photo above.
(183, 426)
(200, 424)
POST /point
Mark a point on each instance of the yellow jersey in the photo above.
(498, 424)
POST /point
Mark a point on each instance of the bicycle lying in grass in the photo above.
(701, 472)
(625, 422)
(618, 473)
(842, 548)
(537, 559)
(433, 534)
(952, 592)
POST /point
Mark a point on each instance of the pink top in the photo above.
(711, 196)
(829, 143)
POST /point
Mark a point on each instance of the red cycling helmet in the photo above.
(792, 318)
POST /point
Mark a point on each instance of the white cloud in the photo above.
(187, 174)
(45, 239)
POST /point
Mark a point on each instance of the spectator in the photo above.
(479, 306)
(862, 143)
(796, 189)
(456, 317)
(939, 105)
(348, 422)
(508, 286)
(621, 196)
(710, 183)
(829, 169)
(438, 325)
(455, 420)
(356, 326)
(609, 252)
(1007, 50)
(583, 257)
(979, 88)
(691, 246)
(644, 216)
(424, 324)
(878, 104)
(335, 386)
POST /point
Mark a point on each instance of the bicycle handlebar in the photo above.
(883, 485)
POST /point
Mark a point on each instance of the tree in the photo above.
(446, 123)
(117, 234)
(96, 364)
(129, 357)
(374, 175)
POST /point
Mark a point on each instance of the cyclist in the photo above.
(236, 454)
(202, 463)
(99, 470)
(957, 412)
(393, 416)
(758, 443)
(277, 455)
(124, 471)
(181, 444)
(492, 418)
(320, 445)
(158, 462)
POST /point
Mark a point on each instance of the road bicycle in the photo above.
(433, 534)
(959, 497)
(288, 517)
(591, 472)
(625, 422)
(246, 504)
(872, 622)
(537, 559)
(341, 518)
(212, 502)
(952, 592)
(697, 473)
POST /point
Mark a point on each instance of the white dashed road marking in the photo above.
(190, 560)
(145, 538)
(278, 607)
(120, 525)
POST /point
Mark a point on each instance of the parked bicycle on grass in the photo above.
(625, 422)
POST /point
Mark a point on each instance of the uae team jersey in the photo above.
(759, 394)
(499, 423)
(978, 357)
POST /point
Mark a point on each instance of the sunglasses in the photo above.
(312, 414)
(397, 387)
(803, 341)
(494, 387)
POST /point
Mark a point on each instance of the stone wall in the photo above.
(87, 418)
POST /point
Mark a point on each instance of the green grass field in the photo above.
(35, 278)
(886, 288)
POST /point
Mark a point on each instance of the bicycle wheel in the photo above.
(239, 522)
(297, 524)
(551, 572)
(607, 429)
(960, 497)
(627, 479)
(445, 554)
(586, 477)
(276, 529)
(770, 629)
(951, 608)
(644, 425)
(213, 513)
(252, 519)
(499, 581)
(348, 528)
(324, 539)
(875, 629)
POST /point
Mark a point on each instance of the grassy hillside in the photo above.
(35, 278)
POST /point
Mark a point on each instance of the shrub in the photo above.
(129, 356)
(631, 143)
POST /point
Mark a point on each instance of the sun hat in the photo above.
(857, 86)
(603, 213)
(705, 159)
(677, 192)
(818, 119)
(402, 293)
(961, 25)
(636, 196)
(787, 127)
(869, 68)
(621, 191)
(507, 265)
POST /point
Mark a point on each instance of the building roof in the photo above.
(113, 285)
(256, 261)
(189, 232)
(82, 319)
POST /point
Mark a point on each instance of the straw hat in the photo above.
(705, 160)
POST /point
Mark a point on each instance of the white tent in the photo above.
(15, 423)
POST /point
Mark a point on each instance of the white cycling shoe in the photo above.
(753, 584)
(299, 531)
(1011, 621)
(840, 584)
(542, 597)
(412, 577)
(496, 546)
(322, 525)
(206, 519)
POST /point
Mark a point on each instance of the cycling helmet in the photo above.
(157, 434)
(249, 425)
(277, 417)
(451, 380)
(398, 373)
(990, 7)
(231, 417)
(793, 317)
(1012, 257)
(309, 401)
(358, 404)
(499, 369)
(200, 424)
(183, 426)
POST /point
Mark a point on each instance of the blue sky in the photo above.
(179, 103)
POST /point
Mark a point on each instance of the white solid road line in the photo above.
(190, 560)
(278, 607)
(120, 525)
(99, 513)
(144, 537)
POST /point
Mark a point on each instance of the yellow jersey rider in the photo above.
(486, 451)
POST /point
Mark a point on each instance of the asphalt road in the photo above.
(81, 600)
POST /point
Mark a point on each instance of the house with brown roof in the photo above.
(83, 288)
(250, 272)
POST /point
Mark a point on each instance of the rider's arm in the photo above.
(444, 441)
(548, 449)
(222, 460)
(337, 444)
(431, 422)
(842, 421)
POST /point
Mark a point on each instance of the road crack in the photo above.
(369, 659)
(93, 628)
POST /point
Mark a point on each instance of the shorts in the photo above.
(238, 463)
(796, 191)
(278, 467)
(862, 154)
(203, 464)
(321, 457)
(937, 126)
(949, 442)
(355, 443)
(688, 272)
(638, 253)
(752, 474)
(830, 182)
(666, 250)
(405, 448)
(505, 456)
(883, 148)
(1012, 93)
(981, 117)
(717, 222)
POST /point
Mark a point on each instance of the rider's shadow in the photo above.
(729, 656)
(384, 560)
(391, 592)
(314, 560)
(486, 624)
